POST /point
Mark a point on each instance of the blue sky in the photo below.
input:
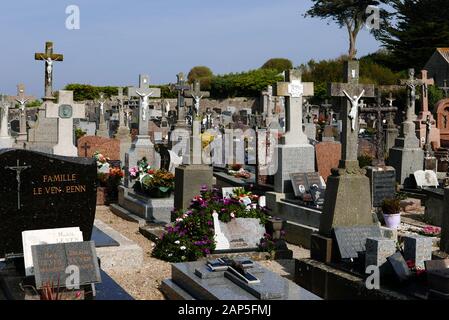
(119, 39)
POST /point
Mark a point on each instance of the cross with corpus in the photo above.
(22, 99)
(65, 111)
(328, 107)
(390, 120)
(85, 147)
(180, 86)
(445, 88)
(411, 83)
(197, 95)
(350, 93)
(49, 57)
(18, 169)
(144, 92)
(293, 89)
(379, 138)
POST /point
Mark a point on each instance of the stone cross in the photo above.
(121, 106)
(411, 83)
(390, 120)
(101, 102)
(65, 111)
(425, 83)
(22, 99)
(294, 90)
(445, 88)
(379, 138)
(49, 57)
(428, 147)
(18, 169)
(180, 86)
(328, 107)
(355, 91)
(144, 92)
(197, 95)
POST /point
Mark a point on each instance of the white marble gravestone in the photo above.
(65, 111)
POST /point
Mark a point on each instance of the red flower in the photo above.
(151, 171)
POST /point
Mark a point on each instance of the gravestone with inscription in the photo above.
(351, 241)
(382, 183)
(40, 191)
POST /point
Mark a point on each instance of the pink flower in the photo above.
(133, 171)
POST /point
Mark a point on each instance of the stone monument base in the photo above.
(292, 159)
(347, 202)
(142, 148)
(188, 182)
(6, 142)
(406, 161)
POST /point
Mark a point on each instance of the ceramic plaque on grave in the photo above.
(351, 241)
(426, 179)
(66, 263)
(299, 183)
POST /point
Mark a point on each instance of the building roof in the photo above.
(444, 52)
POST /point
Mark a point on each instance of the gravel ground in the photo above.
(143, 284)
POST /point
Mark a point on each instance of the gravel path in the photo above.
(144, 283)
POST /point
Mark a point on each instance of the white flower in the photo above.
(183, 248)
(170, 254)
(179, 219)
(177, 242)
(232, 215)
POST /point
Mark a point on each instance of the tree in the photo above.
(419, 27)
(278, 64)
(351, 14)
(203, 74)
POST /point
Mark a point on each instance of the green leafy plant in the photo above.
(391, 206)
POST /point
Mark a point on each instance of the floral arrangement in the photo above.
(191, 236)
(431, 231)
(150, 180)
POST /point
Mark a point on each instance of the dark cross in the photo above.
(196, 93)
(445, 88)
(352, 88)
(85, 148)
(411, 83)
(379, 138)
(328, 107)
(180, 86)
(49, 57)
(18, 169)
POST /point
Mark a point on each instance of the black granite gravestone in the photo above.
(383, 184)
(351, 241)
(52, 260)
(400, 267)
(41, 191)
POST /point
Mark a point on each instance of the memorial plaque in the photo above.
(299, 184)
(352, 240)
(41, 191)
(52, 262)
(383, 184)
(314, 179)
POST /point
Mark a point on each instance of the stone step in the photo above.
(126, 215)
(299, 234)
(174, 292)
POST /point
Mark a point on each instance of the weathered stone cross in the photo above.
(49, 57)
(180, 86)
(294, 90)
(18, 169)
(144, 92)
(197, 95)
(356, 91)
(425, 92)
(22, 99)
(411, 84)
(121, 106)
(65, 111)
(328, 107)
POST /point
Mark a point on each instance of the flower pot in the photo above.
(392, 221)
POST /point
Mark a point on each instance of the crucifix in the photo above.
(85, 147)
(121, 106)
(425, 83)
(18, 169)
(445, 88)
(379, 137)
(196, 94)
(328, 107)
(390, 119)
(180, 86)
(49, 57)
(411, 83)
(66, 110)
(428, 147)
(350, 93)
(293, 89)
(144, 92)
(22, 100)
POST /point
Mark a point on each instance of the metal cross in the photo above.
(85, 147)
(18, 169)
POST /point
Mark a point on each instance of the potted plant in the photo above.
(391, 210)
(151, 182)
